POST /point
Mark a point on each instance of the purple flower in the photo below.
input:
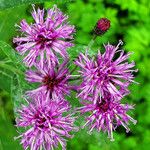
(53, 79)
(46, 124)
(106, 115)
(48, 36)
(105, 73)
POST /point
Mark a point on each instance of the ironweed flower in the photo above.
(53, 79)
(102, 26)
(46, 124)
(106, 115)
(47, 36)
(105, 73)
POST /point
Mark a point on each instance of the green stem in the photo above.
(91, 42)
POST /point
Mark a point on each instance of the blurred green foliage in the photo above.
(130, 21)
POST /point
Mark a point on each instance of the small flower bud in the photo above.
(102, 26)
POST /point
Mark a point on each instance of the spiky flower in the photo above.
(53, 79)
(106, 115)
(46, 124)
(105, 73)
(47, 36)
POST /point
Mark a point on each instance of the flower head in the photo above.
(106, 115)
(53, 79)
(105, 73)
(46, 124)
(102, 26)
(48, 36)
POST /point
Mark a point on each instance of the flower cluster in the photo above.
(104, 80)
(45, 118)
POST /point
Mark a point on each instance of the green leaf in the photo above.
(7, 133)
(5, 81)
(17, 92)
(18, 89)
(12, 3)
(7, 25)
(10, 52)
(13, 57)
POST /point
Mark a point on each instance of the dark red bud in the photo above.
(102, 26)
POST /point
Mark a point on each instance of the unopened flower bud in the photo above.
(102, 26)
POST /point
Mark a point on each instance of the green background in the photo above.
(130, 21)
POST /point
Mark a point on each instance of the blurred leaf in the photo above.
(129, 143)
(7, 26)
(5, 81)
(7, 133)
(12, 3)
